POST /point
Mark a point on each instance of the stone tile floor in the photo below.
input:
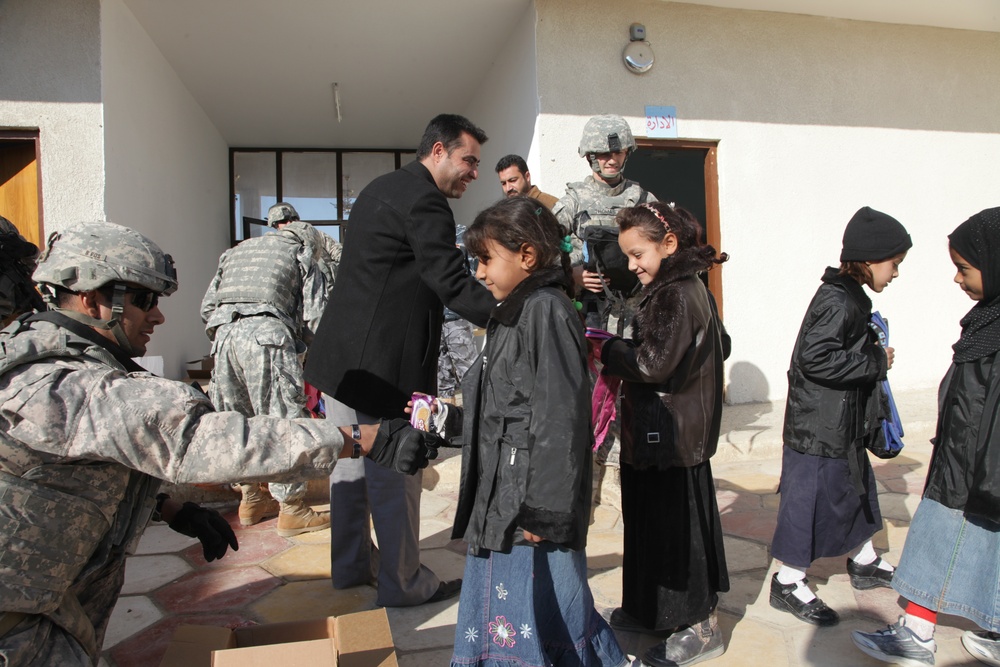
(275, 579)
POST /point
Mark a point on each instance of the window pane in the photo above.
(332, 231)
(309, 183)
(255, 185)
(359, 170)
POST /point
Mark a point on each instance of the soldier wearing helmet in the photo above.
(606, 143)
(86, 435)
(260, 311)
(17, 261)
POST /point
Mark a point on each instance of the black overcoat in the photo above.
(379, 337)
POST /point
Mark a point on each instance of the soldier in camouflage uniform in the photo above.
(606, 143)
(17, 261)
(86, 434)
(458, 349)
(260, 311)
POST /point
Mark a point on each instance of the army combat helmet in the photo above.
(93, 255)
(281, 212)
(607, 133)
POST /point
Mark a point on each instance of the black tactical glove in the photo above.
(208, 526)
(400, 447)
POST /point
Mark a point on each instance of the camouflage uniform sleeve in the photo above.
(170, 431)
(210, 301)
(315, 291)
(565, 211)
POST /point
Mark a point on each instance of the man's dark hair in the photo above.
(512, 160)
(448, 129)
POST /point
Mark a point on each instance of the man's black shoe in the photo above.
(868, 576)
(815, 612)
(446, 590)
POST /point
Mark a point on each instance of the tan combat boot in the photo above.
(296, 517)
(257, 504)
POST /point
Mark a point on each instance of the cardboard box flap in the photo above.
(281, 633)
(365, 640)
(192, 645)
(315, 653)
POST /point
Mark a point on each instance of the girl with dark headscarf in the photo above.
(950, 561)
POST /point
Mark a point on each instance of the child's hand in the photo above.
(531, 537)
(889, 353)
(409, 408)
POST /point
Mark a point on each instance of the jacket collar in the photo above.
(680, 265)
(509, 310)
(418, 169)
(850, 285)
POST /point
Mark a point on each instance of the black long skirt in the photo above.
(674, 563)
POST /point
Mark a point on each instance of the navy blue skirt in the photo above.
(821, 512)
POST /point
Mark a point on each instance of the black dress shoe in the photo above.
(446, 590)
(815, 612)
(868, 576)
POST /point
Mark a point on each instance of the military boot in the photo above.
(296, 517)
(257, 504)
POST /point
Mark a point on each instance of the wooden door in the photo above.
(19, 184)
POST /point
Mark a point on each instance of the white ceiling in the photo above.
(263, 70)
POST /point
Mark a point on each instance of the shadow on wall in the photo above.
(751, 424)
(747, 384)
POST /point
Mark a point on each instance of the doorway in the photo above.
(685, 172)
(20, 192)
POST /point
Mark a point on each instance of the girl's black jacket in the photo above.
(526, 434)
(672, 367)
(835, 365)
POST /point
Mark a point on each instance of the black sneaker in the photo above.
(984, 646)
(864, 577)
(815, 612)
(686, 647)
(896, 644)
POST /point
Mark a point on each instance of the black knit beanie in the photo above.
(873, 236)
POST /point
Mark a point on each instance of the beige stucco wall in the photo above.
(50, 80)
(167, 174)
(506, 106)
(815, 117)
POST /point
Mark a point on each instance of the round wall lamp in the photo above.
(638, 54)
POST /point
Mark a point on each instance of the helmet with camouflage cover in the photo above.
(608, 133)
(281, 212)
(94, 254)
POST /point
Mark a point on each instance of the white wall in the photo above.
(50, 80)
(506, 107)
(815, 118)
(167, 175)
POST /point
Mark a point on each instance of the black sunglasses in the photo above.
(142, 298)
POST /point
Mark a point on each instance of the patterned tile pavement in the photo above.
(276, 579)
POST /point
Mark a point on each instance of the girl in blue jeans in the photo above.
(524, 501)
(949, 562)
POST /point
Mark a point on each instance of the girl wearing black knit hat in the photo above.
(949, 563)
(829, 505)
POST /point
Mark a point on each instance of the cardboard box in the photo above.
(204, 369)
(352, 640)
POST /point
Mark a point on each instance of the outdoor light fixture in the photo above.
(638, 54)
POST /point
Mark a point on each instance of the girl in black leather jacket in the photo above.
(524, 501)
(829, 505)
(949, 563)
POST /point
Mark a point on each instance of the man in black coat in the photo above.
(378, 343)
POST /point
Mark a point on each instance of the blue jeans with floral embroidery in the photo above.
(531, 608)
